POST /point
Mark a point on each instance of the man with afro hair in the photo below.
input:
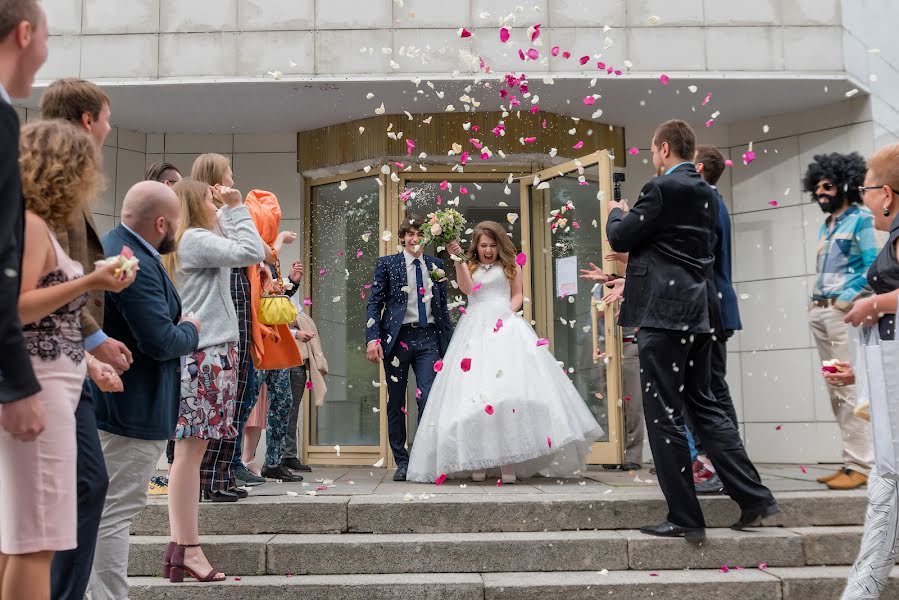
(846, 248)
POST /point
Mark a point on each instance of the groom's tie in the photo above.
(419, 286)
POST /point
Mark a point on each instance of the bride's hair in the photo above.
(506, 250)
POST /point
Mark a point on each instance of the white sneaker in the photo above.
(508, 474)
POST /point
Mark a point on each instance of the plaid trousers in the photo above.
(216, 472)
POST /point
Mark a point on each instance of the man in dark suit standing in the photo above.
(23, 49)
(671, 297)
(408, 326)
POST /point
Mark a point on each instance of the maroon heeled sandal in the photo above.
(167, 558)
(179, 569)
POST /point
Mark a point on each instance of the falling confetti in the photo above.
(438, 366)
(664, 79)
(440, 479)
(488, 409)
(466, 365)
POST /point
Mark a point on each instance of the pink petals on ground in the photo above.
(664, 79)
(763, 566)
(438, 366)
(724, 569)
(504, 34)
(521, 259)
(464, 33)
(440, 479)
(488, 409)
(542, 342)
(466, 365)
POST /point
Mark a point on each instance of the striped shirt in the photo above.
(846, 248)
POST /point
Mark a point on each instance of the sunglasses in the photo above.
(827, 187)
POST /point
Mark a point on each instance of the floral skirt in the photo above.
(208, 394)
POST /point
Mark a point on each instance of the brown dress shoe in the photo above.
(848, 480)
(831, 477)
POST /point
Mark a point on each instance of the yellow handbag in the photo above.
(276, 308)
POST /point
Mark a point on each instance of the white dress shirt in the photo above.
(412, 296)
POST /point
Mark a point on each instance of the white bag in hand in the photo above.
(877, 382)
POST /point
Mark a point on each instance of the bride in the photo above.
(500, 399)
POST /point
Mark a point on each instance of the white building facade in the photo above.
(792, 77)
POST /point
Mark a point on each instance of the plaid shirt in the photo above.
(846, 249)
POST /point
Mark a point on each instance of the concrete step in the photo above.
(334, 554)
(803, 583)
(471, 513)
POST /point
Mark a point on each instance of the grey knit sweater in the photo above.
(204, 275)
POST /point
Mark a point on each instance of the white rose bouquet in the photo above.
(443, 227)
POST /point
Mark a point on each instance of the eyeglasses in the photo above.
(864, 188)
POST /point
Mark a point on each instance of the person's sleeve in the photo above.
(203, 249)
(629, 230)
(145, 310)
(376, 301)
(865, 243)
(95, 339)
(17, 379)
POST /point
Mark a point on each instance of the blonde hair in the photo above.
(210, 168)
(885, 164)
(506, 256)
(60, 171)
(192, 195)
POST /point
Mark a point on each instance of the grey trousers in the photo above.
(130, 463)
(880, 542)
(634, 426)
(297, 388)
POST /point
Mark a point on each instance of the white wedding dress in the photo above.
(539, 422)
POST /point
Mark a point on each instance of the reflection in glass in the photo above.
(341, 273)
(580, 241)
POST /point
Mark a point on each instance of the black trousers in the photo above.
(70, 570)
(676, 373)
(720, 389)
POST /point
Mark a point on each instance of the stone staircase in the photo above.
(572, 541)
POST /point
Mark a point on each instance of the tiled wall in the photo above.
(149, 39)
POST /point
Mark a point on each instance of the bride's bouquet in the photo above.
(443, 227)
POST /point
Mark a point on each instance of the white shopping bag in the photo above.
(877, 382)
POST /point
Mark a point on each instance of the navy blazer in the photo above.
(145, 317)
(387, 302)
(730, 311)
(670, 235)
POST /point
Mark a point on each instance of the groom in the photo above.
(408, 326)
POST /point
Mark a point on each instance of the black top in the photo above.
(670, 235)
(17, 378)
(883, 277)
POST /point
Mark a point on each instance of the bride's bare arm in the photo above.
(463, 278)
(517, 292)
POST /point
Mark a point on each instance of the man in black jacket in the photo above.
(671, 297)
(23, 49)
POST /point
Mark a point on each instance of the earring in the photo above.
(886, 211)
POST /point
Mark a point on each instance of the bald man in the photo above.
(135, 424)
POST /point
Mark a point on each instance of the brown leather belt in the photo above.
(824, 302)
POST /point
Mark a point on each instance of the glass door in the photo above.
(570, 200)
(344, 221)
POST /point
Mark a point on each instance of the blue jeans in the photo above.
(418, 348)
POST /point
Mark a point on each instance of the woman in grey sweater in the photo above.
(201, 271)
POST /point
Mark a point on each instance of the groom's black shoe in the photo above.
(400, 474)
(753, 517)
(668, 529)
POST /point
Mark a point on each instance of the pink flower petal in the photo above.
(462, 310)
(440, 479)
(709, 122)
(533, 54)
(773, 203)
(404, 410)
(535, 32)
(653, 574)
(549, 442)
(530, 140)
(634, 151)
(444, 184)
(628, 398)
(521, 54)
(584, 60)
(410, 146)
(422, 291)
(579, 145)
(307, 302)
(417, 393)
(803, 469)
(542, 342)
(498, 326)
(554, 51)
(466, 365)
(464, 33)
(504, 34)
(323, 272)
(438, 366)
(707, 98)
(309, 385)
(488, 409)
(763, 566)
(463, 189)
(359, 253)
(499, 483)
(476, 287)
(748, 157)
(521, 259)
(464, 157)
(321, 488)
(601, 65)
(589, 100)
(724, 569)
(127, 252)
(567, 54)
(404, 345)
(778, 428)
(728, 163)
(664, 79)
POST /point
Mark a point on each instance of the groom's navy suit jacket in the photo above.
(388, 300)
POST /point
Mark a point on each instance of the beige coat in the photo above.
(311, 351)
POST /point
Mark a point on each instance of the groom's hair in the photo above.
(412, 222)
